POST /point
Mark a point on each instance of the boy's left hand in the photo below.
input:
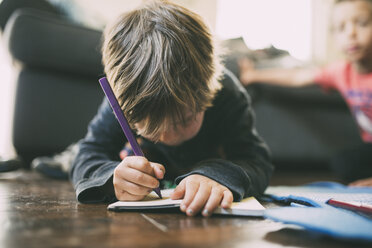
(201, 193)
(367, 182)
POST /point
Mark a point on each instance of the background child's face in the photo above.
(177, 134)
(352, 24)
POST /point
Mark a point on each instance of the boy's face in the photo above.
(352, 24)
(177, 133)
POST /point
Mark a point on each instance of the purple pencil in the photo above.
(123, 121)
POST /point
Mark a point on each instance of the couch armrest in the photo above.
(312, 95)
(40, 39)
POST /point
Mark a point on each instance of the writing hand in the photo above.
(135, 177)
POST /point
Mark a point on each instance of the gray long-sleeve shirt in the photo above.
(227, 149)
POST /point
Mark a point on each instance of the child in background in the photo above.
(352, 28)
(197, 128)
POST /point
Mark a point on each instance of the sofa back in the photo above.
(57, 65)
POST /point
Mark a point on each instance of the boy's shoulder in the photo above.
(338, 66)
(333, 73)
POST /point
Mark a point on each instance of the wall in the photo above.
(6, 102)
(96, 13)
(323, 47)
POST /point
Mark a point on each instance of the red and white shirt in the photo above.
(356, 90)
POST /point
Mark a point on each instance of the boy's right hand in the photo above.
(135, 177)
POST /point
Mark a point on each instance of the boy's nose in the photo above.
(350, 30)
(169, 137)
(164, 137)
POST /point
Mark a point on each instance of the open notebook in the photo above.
(247, 207)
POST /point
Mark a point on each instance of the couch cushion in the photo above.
(8, 7)
(303, 126)
(39, 39)
(52, 110)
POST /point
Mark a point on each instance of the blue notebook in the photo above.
(310, 211)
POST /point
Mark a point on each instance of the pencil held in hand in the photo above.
(123, 121)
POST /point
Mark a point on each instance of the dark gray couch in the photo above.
(304, 127)
(57, 64)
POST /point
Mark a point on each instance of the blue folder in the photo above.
(330, 221)
(310, 211)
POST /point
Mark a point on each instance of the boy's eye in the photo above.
(185, 122)
(340, 28)
(362, 22)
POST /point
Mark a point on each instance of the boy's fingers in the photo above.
(159, 170)
(135, 189)
(227, 199)
(140, 178)
(213, 202)
(139, 163)
(123, 195)
(356, 183)
(362, 182)
(179, 192)
(190, 191)
(143, 165)
(200, 199)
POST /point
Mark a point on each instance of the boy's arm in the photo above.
(296, 77)
(93, 167)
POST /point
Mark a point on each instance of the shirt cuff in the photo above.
(97, 189)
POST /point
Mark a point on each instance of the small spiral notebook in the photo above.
(247, 207)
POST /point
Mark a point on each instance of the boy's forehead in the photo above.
(348, 8)
(169, 120)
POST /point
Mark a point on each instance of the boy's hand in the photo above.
(201, 193)
(246, 67)
(367, 182)
(135, 177)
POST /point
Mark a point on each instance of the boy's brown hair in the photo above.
(340, 1)
(160, 60)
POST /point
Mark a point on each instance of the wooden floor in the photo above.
(40, 212)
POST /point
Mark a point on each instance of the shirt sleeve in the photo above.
(92, 169)
(327, 76)
(246, 168)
